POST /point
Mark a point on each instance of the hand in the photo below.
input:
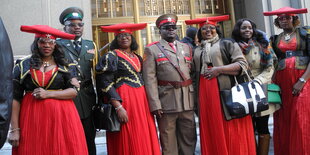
(297, 87)
(158, 113)
(40, 93)
(13, 138)
(212, 72)
(122, 115)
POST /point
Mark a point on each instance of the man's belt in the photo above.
(175, 84)
(289, 54)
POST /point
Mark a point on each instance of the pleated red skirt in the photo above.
(292, 121)
(50, 127)
(138, 136)
(218, 136)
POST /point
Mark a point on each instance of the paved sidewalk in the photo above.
(102, 147)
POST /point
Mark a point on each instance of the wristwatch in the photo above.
(302, 80)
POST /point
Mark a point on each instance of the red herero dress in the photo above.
(49, 126)
(121, 79)
(218, 136)
(292, 121)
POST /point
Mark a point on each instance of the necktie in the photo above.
(77, 46)
(173, 47)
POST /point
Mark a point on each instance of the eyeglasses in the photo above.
(208, 27)
(122, 35)
(168, 27)
(75, 24)
(43, 41)
(281, 18)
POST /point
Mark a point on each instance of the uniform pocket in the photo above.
(167, 97)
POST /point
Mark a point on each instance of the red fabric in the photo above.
(135, 62)
(170, 20)
(162, 59)
(218, 136)
(49, 126)
(138, 136)
(286, 10)
(292, 121)
(43, 30)
(123, 28)
(207, 20)
(288, 46)
(173, 47)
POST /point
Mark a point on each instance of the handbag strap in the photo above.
(247, 74)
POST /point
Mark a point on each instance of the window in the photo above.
(111, 8)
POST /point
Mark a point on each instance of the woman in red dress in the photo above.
(216, 60)
(292, 121)
(120, 81)
(44, 118)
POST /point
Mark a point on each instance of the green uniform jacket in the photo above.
(86, 97)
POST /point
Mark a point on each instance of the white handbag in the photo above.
(245, 98)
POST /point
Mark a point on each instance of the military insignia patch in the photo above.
(161, 55)
(92, 51)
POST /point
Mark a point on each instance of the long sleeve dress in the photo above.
(292, 121)
(47, 126)
(217, 135)
(120, 78)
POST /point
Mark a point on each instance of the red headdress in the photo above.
(123, 28)
(207, 20)
(286, 10)
(44, 31)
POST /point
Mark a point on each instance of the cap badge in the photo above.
(169, 19)
(122, 30)
(75, 14)
(48, 36)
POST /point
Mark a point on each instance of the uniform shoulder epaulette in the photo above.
(152, 43)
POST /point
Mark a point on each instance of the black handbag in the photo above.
(105, 118)
(244, 99)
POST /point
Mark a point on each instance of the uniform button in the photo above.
(79, 66)
(79, 74)
(79, 81)
(79, 59)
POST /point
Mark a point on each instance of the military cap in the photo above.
(71, 13)
(166, 18)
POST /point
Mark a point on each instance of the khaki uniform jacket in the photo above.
(86, 97)
(157, 67)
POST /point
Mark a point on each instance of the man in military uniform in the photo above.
(6, 85)
(166, 72)
(84, 54)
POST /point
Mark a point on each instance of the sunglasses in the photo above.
(43, 41)
(281, 18)
(75, 24)
(208, 27)
(168, 27)
(122, 35)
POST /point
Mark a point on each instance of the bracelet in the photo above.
(13, 130)
(118, 108)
